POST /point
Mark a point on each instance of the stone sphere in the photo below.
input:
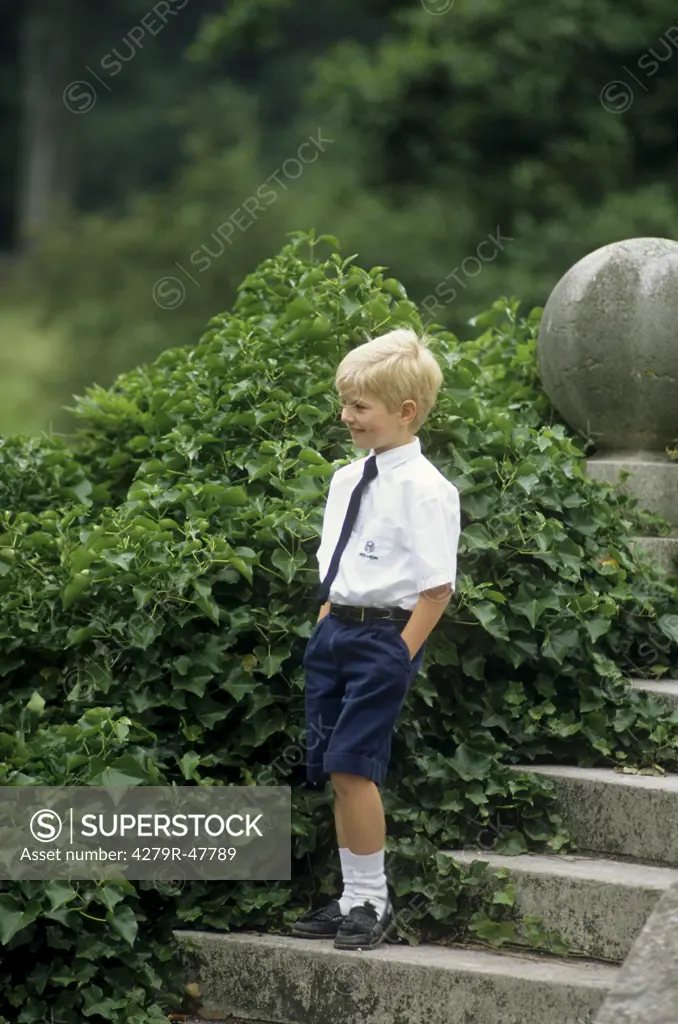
(608, 345)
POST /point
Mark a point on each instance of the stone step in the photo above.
(665, 689)
(598, 906)
(662, 550)
(634, 816)
(286, 980)
(653, 480)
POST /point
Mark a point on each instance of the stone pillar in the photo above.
(608, 360)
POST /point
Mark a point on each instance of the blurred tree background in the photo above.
(153, 153)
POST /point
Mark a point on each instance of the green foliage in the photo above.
(176, 605)
(75, 951)
(447, 130)
(102, 275)
(30, 356)
(452, 125)
(40, 473)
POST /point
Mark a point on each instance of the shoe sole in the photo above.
(394, 939)
(312, 935)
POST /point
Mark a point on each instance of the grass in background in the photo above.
(30, 363)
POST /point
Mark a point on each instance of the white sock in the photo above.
(369, 880)
(346, 898)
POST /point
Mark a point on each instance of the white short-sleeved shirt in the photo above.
(406, 535)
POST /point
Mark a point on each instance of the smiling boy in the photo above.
(388, 562)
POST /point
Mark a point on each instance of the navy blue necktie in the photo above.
(370, 471)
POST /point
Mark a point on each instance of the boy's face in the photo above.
(373, 426)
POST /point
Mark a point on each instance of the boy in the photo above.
(388, 559)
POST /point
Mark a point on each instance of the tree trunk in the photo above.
(45, 65)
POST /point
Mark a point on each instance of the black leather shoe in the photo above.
(319, 924)
(361, 929)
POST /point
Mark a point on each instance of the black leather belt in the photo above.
(352, 613)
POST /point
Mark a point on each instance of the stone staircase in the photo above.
(654, 481)
(296, 981)
(626, 831)
(625, 828)
(665, 690)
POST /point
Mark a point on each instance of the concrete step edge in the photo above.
(287, 980)
(670, 538)
(626, 816)
(668, 783)
(666, 689)
(660, 461)
(654, 682)
(605, 871)
(446, 957)
(597, 907)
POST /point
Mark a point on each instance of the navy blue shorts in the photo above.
(357, 677)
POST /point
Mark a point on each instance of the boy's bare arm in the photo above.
(425, 615)
(324, 610)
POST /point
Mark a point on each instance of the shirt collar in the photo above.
(395, 456)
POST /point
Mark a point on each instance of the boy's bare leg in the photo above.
(358, 814)
(361, 826)
(338, 823)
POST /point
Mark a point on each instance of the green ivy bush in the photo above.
(42, 473)
(75, 951)
(175, 600)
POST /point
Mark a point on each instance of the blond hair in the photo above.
(394, 367)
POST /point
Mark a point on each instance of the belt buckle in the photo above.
(362, 614)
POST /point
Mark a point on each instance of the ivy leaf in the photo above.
(532, 608)
(271, 660)
(239, 683)
(209, 607)
(469, 764)
(59, 893)
(505, 896)
(141, 595)
(109, 894)
(36, 704)
(597, 627)
(495, 932)
(234, 497)
(624, 718)
(511, 843)
(289, 564)
(15, 915)
(123, 921)
(490, 618)
(79, 583)
(188, 763)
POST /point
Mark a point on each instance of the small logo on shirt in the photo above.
(369, 548)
